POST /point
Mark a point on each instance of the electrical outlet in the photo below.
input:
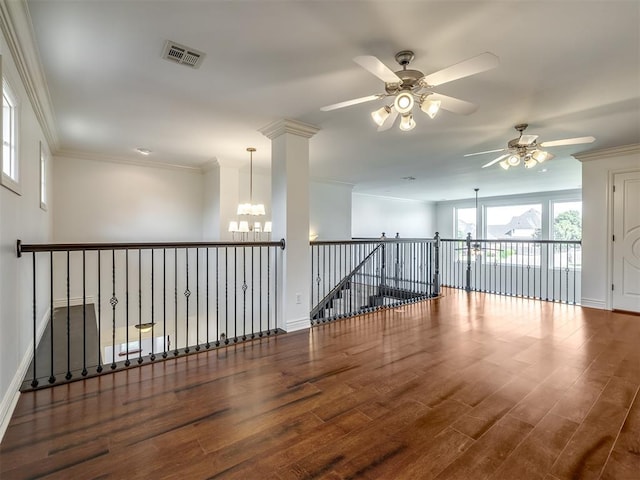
(298, 298)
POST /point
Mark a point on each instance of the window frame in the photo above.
(44, 174)
(11, 181)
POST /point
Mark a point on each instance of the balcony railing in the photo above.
(115, 305)
(358, 276)
(542, 269)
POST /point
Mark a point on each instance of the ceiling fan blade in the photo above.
(487, 151)
(527, 139)
(390, 121)
(496, 160)
(379, 69)
(568, 141)
(348, 103)
(454, 105)
(480, 63)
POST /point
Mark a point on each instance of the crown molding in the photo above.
(17, 28)
(633, 149)
(328, 181)
(210, 165)
(280, 127)
(97, 157)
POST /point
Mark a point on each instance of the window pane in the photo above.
(567, 220)
(466, 218)
(8, 157)
(515, 221)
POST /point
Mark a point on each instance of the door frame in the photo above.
(610, 229)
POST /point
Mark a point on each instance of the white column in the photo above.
(211, 227)
(290, 216)
(229, 198)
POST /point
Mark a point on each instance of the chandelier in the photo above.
(245, 224)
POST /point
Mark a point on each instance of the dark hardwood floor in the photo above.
(468, 386)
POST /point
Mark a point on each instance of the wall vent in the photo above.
(176, 53)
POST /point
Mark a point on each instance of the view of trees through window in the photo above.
(567, 220)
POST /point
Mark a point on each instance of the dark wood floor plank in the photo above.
(469, 386)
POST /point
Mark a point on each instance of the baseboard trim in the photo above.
(591, 303)
(299, 324)
(10, 399)
(73, 301)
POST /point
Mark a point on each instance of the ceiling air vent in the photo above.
(187, 56)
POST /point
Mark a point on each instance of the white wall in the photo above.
(372, 215)
(20, 218)
(597, 169)
(330, 210)
(98, 201)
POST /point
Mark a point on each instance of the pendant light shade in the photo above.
(244, 226)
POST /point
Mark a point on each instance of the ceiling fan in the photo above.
(408, 87)
(526, 149)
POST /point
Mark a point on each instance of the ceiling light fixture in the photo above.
(403, 102)
(430, 107)
(144, 327)
(380, 116)
(244, 226)
(407, 122)
(143, 151)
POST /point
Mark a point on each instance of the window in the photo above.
(465, 222)
(43, 177)
(10, 165)
(515, 222)
(567, 221)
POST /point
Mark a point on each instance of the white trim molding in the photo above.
(73, 301)
(298, 324)
(608, 152)
(592, 303)
(97, 157)
(296, 127)
(10, 400)
(17, 28)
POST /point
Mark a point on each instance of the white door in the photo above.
(626, 242)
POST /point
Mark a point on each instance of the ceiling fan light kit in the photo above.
(407, 123)
(526, 149)
(380, 116)
(409, 87)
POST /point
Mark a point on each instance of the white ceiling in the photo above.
(568, 68)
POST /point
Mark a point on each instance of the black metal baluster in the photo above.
(268, 287)
(207, 345)
(99, 350)
(153, 320)
(187, 294)
(52, 377)
(574, 273)
(197, 299)
(139, 306)
(84, 315)
(34, 382)
(260, 293)
(175, 301)
(253, 328)
(226, 295)
(275, 291)
(244, 293)
(113, 301)
(235, 295)
(68, 375)
(217, 297)
(164, 303)
(126, 301)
